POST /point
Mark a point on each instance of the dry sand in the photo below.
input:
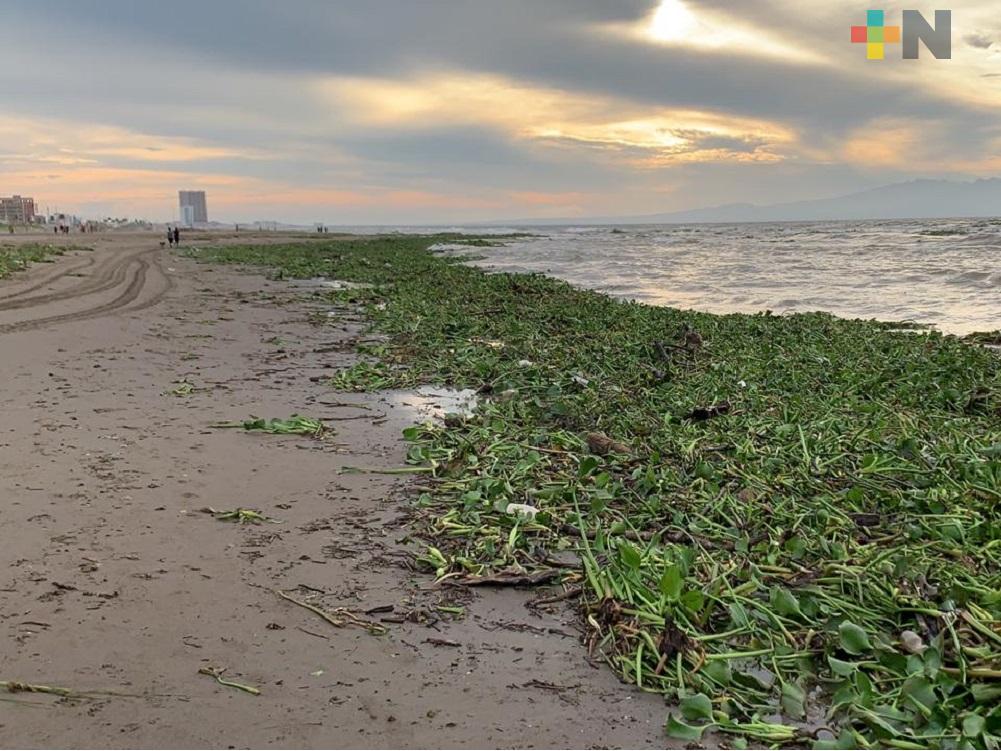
(112, 580)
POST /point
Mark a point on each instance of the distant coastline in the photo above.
(916, 199)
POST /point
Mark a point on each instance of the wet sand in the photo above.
(111, 579)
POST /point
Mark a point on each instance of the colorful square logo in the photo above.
(875, 35)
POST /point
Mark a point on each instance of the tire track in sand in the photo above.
(107, 275)
(134, 268)
(45, 280)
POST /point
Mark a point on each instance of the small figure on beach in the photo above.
(170, 237)
(177, 236)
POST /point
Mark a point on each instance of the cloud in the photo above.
(919, 148)
(980, 41)
(523, 112)
(681, 24)
(397, 111)
(74, 142)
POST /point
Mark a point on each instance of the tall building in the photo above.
(193, 209)
(17, 210)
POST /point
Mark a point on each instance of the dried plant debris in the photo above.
(217, 674)
(240, 516)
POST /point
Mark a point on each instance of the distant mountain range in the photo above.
(917, 199)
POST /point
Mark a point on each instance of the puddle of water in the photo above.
(444, 247)
(432, 402)
(331, 284)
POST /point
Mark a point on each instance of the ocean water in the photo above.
(944, 273)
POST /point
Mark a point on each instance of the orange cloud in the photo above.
(910, 145)
(66, 142)
(657, 136)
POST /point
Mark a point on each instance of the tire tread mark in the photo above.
(106, 276)
(48, 279)
(132, 291)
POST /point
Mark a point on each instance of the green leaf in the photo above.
(889, 712)
(630, 555)
(863, 684)
(840, 667)
(854, 639)
(844, 741)
(875, 719)
(677, 729)
(920, 693)
(738, 614)
(697, 707)
(793, 701)
(973, 725)
(693, 599)
(719, 671)
(932, 659)
(784, 602)
(756, 678)
(985, 693)
(795, 547)
(670, 582)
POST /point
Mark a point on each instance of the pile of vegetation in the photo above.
(787, 525)
(19, 257)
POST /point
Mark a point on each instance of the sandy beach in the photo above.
(115, 582)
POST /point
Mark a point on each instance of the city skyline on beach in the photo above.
(384, 114)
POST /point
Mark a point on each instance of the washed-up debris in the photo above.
(294, 425)
(182, 388)
(567, 594)
(436, 642)
(602, 445)
(509, 578)
(547, 686)
(217, 674)
(522, 509)
(240, 515)
(758, 570)
(339, 617)
(713, 410)
(15, 687)
(384, 470)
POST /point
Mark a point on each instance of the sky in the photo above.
(425, 111)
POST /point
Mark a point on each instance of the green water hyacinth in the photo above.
(19, 257)
(796, 538)
(294, 425)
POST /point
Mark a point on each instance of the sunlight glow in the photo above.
(672, 21)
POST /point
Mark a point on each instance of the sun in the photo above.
(671, 21)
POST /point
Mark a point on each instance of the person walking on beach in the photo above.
(177, 237)
(170, 237)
